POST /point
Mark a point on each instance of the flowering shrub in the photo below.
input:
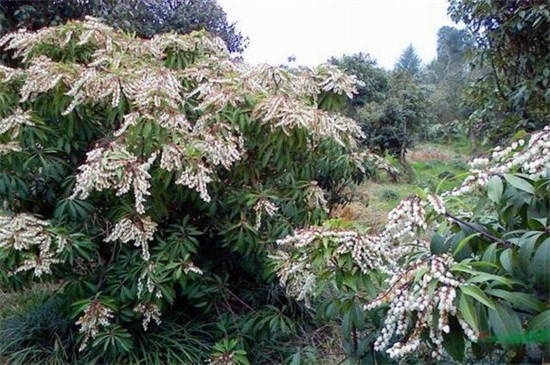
(462, 275)
(151, 176)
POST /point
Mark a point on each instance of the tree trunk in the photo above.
(409, 171)
(474, 139)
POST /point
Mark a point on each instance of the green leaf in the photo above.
(295, 359)
(541, 265)
(495, 189)
(483, 277)
(523, 301)
(540, 321)
(505, 324)
(468, 311)
(476, 293)
(527, 244)
(463, 243)
(350, 282)
(507, 260)
(453, 341)
(519, 183)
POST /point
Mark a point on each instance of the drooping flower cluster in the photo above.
(150, 311)
(96, 317)
(140, 230)
(8, 74)
(531, 158)
(431, 300)
(13, 124)
(263, 206)
(316, 196)
(297, 252)
(31, 236)
(115, 167)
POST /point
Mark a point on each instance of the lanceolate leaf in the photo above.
(541, 265)
(522, 301)
(494, 189)
(519, 183)
(505, 324)
(476, 293)
(541, 321)
(468, 311)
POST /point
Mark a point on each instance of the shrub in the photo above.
(389, 194)
(462, 276)
(152, 176)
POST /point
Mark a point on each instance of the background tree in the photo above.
(409, 61)
(448, 76)
(511, 52)
(393, 125)
(391, 107)
(144, 17)
(374, 79)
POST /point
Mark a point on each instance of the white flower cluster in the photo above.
(140, 230)
(426, 291)
(197, 176)
(331, 78)
(114, 167)
(9, 147)
(531, 158)
(219, 143)
(297, 274)
(154, 88)
(8, 74)
(436, 203)
(190, 267)
(147, 281)
(40, 264)
(315, 196)
(263, 205)
(96, 317)
(28, 234)
(14, 122)
(150, 311)
(405, 223)
(288, 113)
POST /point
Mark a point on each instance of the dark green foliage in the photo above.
(511, 54)
(394, 125)
(364, 67)
(38, 332)
(512, 271)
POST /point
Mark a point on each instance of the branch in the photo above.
(486, 234)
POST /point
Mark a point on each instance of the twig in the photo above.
(486, 234)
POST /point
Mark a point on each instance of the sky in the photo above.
(314, 30)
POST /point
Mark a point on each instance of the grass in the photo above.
(438, 168)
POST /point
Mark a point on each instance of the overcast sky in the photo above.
(315, 30)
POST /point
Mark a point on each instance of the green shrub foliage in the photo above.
(153, 176)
